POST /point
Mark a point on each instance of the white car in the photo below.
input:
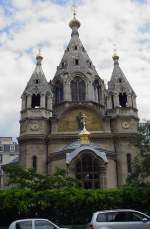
(119, 219)
(33, 224)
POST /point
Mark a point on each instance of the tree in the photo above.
(143, 140)
(21, 178)
(141, 164)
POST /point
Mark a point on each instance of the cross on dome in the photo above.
(74, 23)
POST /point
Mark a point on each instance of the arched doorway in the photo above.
(87, 170)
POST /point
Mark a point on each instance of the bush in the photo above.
(69, 205)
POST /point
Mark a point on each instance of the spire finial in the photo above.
(115, 55)
(74, 23)
(74, 7)
(115, 50)
(39, 57)
(39, 54)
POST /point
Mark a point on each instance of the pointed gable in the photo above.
(118, 80)
(37, 83)
(75, 58)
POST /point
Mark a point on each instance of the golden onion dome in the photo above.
(84, 136)
(115, 56)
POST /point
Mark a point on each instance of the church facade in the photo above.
(74, 122)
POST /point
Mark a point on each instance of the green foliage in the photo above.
(68, 206)
(29, 179)
(143, 141)
(141, 164)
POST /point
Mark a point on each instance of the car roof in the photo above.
(113, 210)
(118, 210)
(30, 219)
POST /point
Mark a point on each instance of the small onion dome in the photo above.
(115, 56)
(39, 58)
(74, 23)
(84, 136)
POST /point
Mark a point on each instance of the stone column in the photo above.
(116, 100)
(42, 102)
(89, 92)
(129, 100)
(134, 102)
(23, 105)
(49, 103)
(103, 177)
(29, 99)
(102, 96)
(67, 92)
(109, 103)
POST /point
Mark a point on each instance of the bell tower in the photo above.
(121, 95)
(121, 106)
(34, 124)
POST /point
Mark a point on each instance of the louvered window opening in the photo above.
(36, 101)
(59, 95)
(123, 99)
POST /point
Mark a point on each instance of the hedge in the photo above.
(69, 206)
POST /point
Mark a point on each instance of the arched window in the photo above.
(78, 89)
(123, 99)
(46, 101)
(129, 166)
(97, 90)
(112, 101)
(26, 101)
(59, 93)
(34, 162)
(37, 81)
(36, 101)
(88, 171)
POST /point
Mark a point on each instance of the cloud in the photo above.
(23, 4)
(27, 25)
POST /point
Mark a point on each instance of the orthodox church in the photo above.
(74, 122)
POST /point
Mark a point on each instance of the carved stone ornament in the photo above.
(125, 125)
(34, 126)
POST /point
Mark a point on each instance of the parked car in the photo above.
(119, 219)
(33, 224)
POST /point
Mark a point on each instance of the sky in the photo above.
(27, 25)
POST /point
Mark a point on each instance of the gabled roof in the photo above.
(74, 148)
